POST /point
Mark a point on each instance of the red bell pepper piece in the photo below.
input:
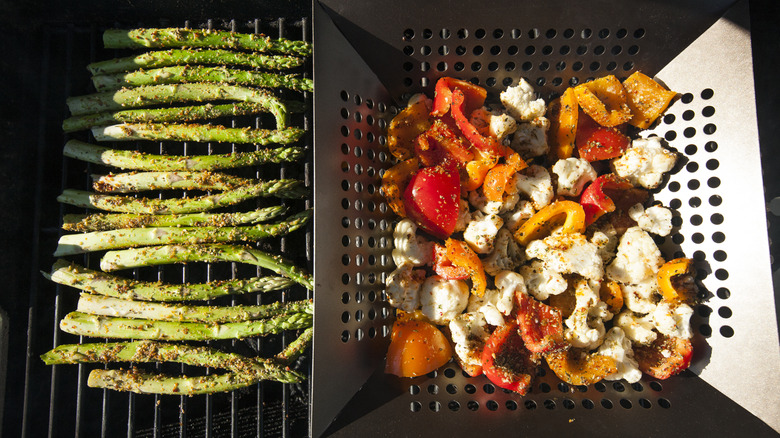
(541, 326)
(665, 357)
(506, 362)
(595, 142)
(444, 267)
(431, 199)
(595, 202)
(442, 141)
(484, 143)
(474, 95)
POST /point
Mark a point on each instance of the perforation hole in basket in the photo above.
(554, 58)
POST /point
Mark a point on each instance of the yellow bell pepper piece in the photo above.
(671, 269)
(604, 100)
(563, 115)
(542, 221)
(647, 99)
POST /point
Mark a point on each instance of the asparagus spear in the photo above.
(97, 282)
(142, 181)
(180, 37)
(140, 97)
(196, 133)
(219, 74)
(134, 160)
(296, 348)
(168, 254)
(83, 324)
(109, 221)
(176, 114)
(71, 244)
(147, 383)
(165, 58)
(109, 306)
(283, 188)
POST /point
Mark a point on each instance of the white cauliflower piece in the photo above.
(509, 282)
(541, 282)
(673, 320)
(617, 346)
(521, 102)
(442, 300)
(645, 162)
(530, 139)
(494, 305)
(585, 326)
(573, 174)
(478, 200)
(568, 254)
(606, 239)
(469, 335)
(638, 258)
(402, 287)
(464, 215)
(639, 329)
(641, 297)
(523, 211)
(481, 232)
(501, 125)
(408, 247)
(506, 254)
(655, 219)
(535, 182)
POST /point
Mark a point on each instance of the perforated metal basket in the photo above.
(370, 57)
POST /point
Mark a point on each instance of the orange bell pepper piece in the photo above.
(406, 126)
(671, 269)
(542, 221)
(604, 100)
(416, 348)
(563, 114)
(578, 367)
(394, 182)
(612, 294)
(647, 99)
(476, 170)
(459, 254)
(499, 176)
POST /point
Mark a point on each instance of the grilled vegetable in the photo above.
(196, 133)
(416, 348)
(506, 362)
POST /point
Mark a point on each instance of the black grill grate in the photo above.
(57, 401)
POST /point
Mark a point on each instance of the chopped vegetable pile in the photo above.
(525, 235)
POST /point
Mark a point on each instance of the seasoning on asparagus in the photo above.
(70, 244)
(142, 181)
(209, 253)
(140, 97)
(98, 282)
(171, 57)
(180, 37)
(195, 73)
(96, 326)
(196, 133)
(141, 382)
(283, 188)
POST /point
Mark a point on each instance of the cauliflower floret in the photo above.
(464, 215)
(498, 124)
(506, 254)
(494, 305)
(523, 211)
(585, 325)
(481, 232)
(656, 219)
(645, 162)
(510, 282)
(403, 287)
(408, 247)
(639, 329)
(641, 297)
(618, 347)
(573, 174)
(469, 335)
(606, 239)
(535, 182)
(638, 258)
(568, 254)
(530, 139)
(442, 300)
(521, 103)
(541, 282)
(673, 320)
(478, 200)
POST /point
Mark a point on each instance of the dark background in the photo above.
(27, 158)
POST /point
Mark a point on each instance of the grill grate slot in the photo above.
(266, 409)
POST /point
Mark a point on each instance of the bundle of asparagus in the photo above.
(198, 75)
